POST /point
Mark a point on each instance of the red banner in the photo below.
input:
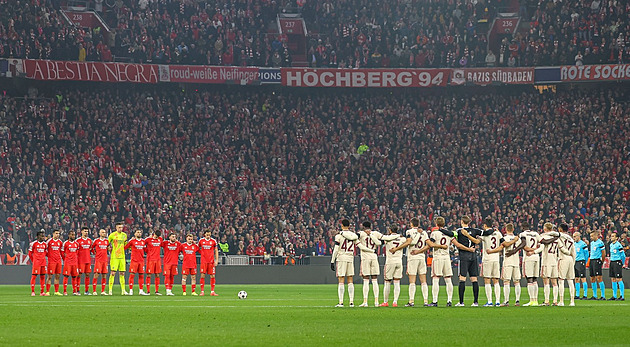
(485, 76)
(573, 73)
(364, 77)
(49, 70)
(208, 74)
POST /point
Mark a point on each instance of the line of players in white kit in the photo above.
(557, 264)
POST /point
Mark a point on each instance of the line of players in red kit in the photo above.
(72, 258)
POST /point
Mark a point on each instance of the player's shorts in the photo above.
(189, 271)
(566, 270)
(469, 268)
(490, 269)
(85, 268)
(441, 268)
(531, 268)
(54, 268)
(170, 269)
(511, 273)
(416, 267)
(580, 269)
(100, 267)
(207, 268)
(154, 267)
(118, 264)
(70, 270)
(615, 269)
(345, 268)
(595, 267)
(393, 271)
(137, 268)
(370, 267)
(550, 271)
(39, 269)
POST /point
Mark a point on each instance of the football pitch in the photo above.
(282, 315)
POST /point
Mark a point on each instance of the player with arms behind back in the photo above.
(54, 260)
(171, 253)
(342, 261)
(99, 248)
(368, 243)
(85, 258)
(70, 255)
(393, 264)
(189, 263)
(138, 249)
(617, 258)
(154, 261)
(209, 256)
(117, 262)
(37, 253)
(597, 255)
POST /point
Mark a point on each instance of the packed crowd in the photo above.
(349, 33)
(274, 173)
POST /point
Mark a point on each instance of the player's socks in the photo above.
(555, 293)
(366, 289)
(476, 291)
(157, 283)
(340, 290)
(65, 284)
(506, 292)
(42, 282)
(94, 283)
(412, 292)
(47, 287)
(351, 292)
(184, 288)
(131, 282)
(213, 281)
(497, 293)
(571, 289)
(577, 287)
(614, 288)
(449, 290)
(396, 290)
(425, 291)
(594, 287)
(194, 286)
(386, 291)
(87, 283)
(436, 288)
(141, 281)
(461, 291)
(488, 288)
(546, 290)
(585, 288)
(103, 284)
(602, 289)
(111, 282)
(33, 280)
(517, 291)
(536, 290)
(121, 278)
(622, 288)
(202, 282)
(56, 287)
(375, 290)
(561, 290)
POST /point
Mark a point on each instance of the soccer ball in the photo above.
(242, 294)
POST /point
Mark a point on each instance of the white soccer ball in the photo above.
(242, 294)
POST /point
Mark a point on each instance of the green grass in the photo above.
(281, 315)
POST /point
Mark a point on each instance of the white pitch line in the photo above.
(182, 306)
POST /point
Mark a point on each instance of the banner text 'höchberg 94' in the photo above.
(370, 78)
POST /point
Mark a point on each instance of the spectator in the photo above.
(491, 59)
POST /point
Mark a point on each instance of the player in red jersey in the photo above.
(154, 262)
(189, 265)
(54, 261)
(138, 249)
(85, 258)
(171, 253)
(209, 256)
(70, 254)
(37, 253)
(99, 248)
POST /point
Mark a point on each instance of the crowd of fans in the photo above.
(275, 172)
(348, 33)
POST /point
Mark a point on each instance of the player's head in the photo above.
(367, 225)
(189, 238)
(84, 232)
(207, 233)
(393, 229)
(576, 236)
(138, 234)
(156, 233)
(487, 222)
(509, 228)
(102, 233)
(547, 227)
(595, 236)
(41, 235)
(440, 222)
(465, 221)
(56, 234)
(414, 222)
(345, 223)
(71, 235)
(563, 228)
(172, 237)
(614, 237)
(524, 226)
(119, 227)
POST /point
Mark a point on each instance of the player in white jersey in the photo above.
(393, 265)
(441, 266)
(343, 258)
(566, 264)
(550, 262)
(418, 243)
(490, 261)
(511, 269)
(368, 244)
